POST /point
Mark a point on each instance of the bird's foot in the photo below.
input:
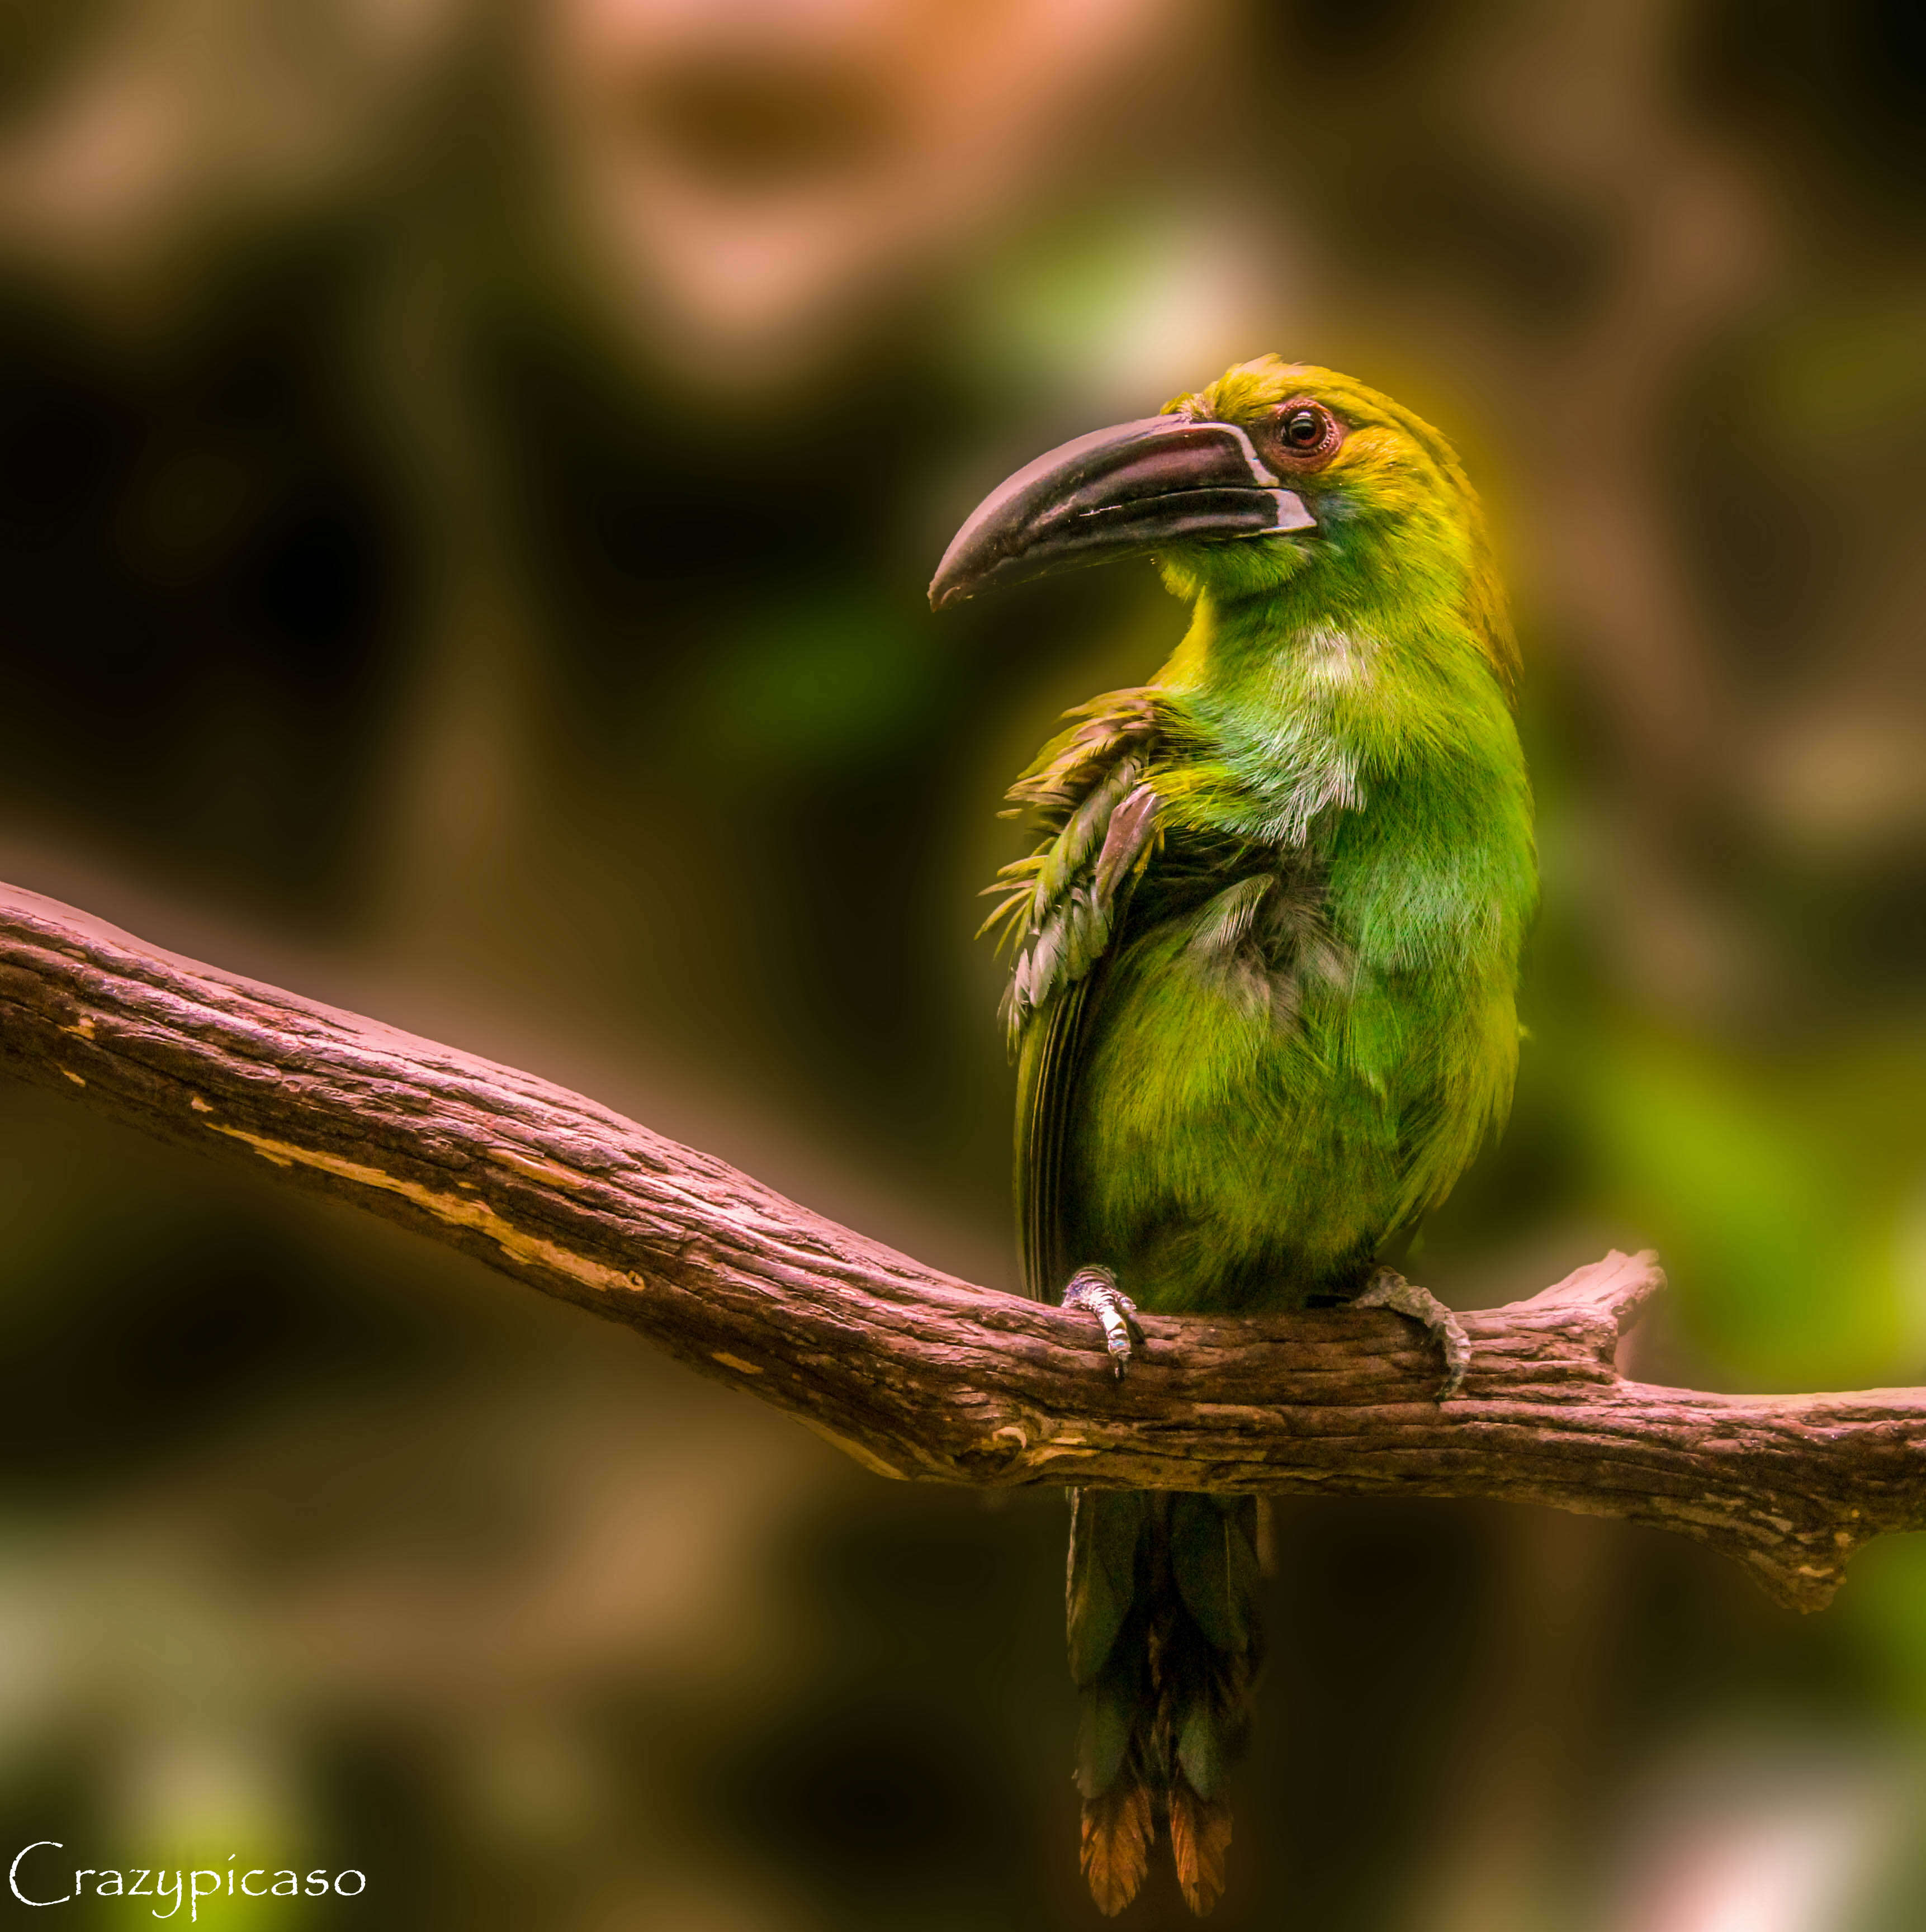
(1387, 1288)
(1095, 1291)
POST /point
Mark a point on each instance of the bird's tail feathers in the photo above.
(1165, 1642)
(1117, 1829)
(1200, 1835)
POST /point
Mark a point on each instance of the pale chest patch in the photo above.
(1340, 661)
(1312, 765)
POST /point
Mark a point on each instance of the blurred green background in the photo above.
(468, 473)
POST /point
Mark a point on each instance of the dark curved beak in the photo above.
(1121, 492)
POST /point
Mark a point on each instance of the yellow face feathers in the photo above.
(1390, 497)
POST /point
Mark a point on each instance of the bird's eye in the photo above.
(1303, 435)
(1303, 430)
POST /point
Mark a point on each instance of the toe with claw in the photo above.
(1389, 1289)
(1095, 1291)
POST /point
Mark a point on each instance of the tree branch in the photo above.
(916, 1374)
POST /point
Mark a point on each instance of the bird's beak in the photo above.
(1121, 492)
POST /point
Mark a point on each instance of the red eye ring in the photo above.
(1303, 433)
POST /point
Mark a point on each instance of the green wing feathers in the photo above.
(1060, 907)
(1060, 903)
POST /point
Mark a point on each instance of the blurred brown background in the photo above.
(468, 472)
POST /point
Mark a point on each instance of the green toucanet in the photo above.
(1265, 958)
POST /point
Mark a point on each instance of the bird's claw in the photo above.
(1389, 1289)
(1095, 1291)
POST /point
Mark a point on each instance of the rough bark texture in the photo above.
(916, 1374)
